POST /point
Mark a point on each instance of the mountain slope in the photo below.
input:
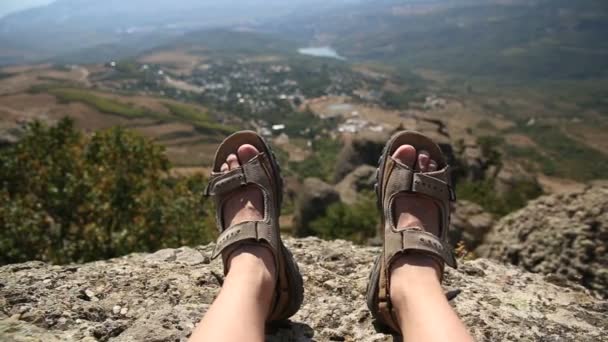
(66, 26)
(520, 39)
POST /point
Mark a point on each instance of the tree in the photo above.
(69, 197)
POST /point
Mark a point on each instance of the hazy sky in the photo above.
(9, 6)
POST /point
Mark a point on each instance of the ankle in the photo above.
(253, 266)
(413, 275)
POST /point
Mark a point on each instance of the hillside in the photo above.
(547, 39)
(68, 28)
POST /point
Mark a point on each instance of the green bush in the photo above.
(356, 223)
(66, 197)
(321, 163)
(102, 104)
(561, 155)
(484, 194)
(201, 120)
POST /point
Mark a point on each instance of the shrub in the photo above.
(356, 223)
(201, 120)
(484, 194)
(66, 197)
(321, 163)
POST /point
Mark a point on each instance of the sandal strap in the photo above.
(414, 239)
(252, 172)
(433, 184)
(261, 172)
(253, 231)
(395, 179)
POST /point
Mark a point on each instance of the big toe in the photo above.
(246, 152)
(406, 154)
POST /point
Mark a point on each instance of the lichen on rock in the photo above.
(564, 236)
(161, 296)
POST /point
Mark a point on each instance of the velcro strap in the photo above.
(252, 172)
(399, 179)
(224, 183)
(250, 230)
(414, 239)
(432, 187)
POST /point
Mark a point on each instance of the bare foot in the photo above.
(247, 205)
(412, 211)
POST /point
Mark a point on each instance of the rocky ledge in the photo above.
(564, 236)
(161, 296)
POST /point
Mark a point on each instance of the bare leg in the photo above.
(240, 310)
(422, 308)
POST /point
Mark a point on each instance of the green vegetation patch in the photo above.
(201, 120)
(357, 222)
(101, 104)
(68, 94)
(561, 156)
(67, 197)
(484, 194)
(321, 163)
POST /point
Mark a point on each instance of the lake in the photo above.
(322, 51)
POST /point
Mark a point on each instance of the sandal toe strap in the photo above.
(252, 172)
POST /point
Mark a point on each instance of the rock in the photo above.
(184, 255)
(510, 176)
(469, 224)
(361, 178)
(474, 162)
(311, 201)
(364, 149)
(165, 299)
(564, 236)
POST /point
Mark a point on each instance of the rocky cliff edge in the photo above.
(161, 296)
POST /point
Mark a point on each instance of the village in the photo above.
(269, 94)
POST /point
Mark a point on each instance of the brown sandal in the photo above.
(394, 178)
(263, 172)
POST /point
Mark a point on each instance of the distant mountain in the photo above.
(521, 39)
(67, 26)
(511, 38)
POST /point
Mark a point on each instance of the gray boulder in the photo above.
(362, 149)
(162, 296)
(311, 201)
(564, 236)
(360, 179)
(469, 224)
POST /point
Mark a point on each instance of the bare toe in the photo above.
(232, 161)
(406, 154)
(246, 153)
(224, 167)
(432, 166)
(423, 161)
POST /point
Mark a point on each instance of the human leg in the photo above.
(262, 281)
(423, 311)
(404, 292)
(240, 310)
